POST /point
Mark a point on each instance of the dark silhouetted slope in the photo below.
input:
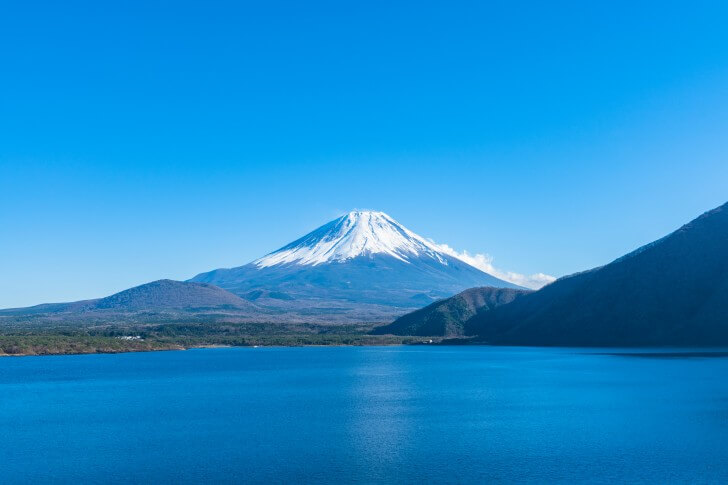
(671, 292)
(447, 317)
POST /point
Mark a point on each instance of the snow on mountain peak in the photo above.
(358, 233)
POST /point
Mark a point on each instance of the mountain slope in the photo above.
(673, 291)
(171, 295)
(447, 317)
(362, 258)
(157, 296)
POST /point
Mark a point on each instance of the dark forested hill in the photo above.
(671, 292)
(447, 317)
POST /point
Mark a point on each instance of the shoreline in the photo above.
(198, 347)
(639, 352)
(123, 347)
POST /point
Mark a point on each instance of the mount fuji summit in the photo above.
(363, 264)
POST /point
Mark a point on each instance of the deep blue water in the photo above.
(395, 414)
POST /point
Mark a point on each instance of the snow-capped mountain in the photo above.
(362, 263)
(358, 233)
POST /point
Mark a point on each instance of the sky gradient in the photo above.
(162, 139)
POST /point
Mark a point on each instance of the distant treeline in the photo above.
(123, 338)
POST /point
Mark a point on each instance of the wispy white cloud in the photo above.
(484, 262)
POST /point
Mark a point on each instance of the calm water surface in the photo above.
(396, 414)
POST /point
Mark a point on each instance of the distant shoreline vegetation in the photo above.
(170, 336)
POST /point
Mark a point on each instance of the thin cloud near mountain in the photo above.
(484, 262)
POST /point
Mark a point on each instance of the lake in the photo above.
(364, 414)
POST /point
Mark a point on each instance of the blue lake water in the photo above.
(370, 414)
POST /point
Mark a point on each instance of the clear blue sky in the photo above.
(147, 140)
